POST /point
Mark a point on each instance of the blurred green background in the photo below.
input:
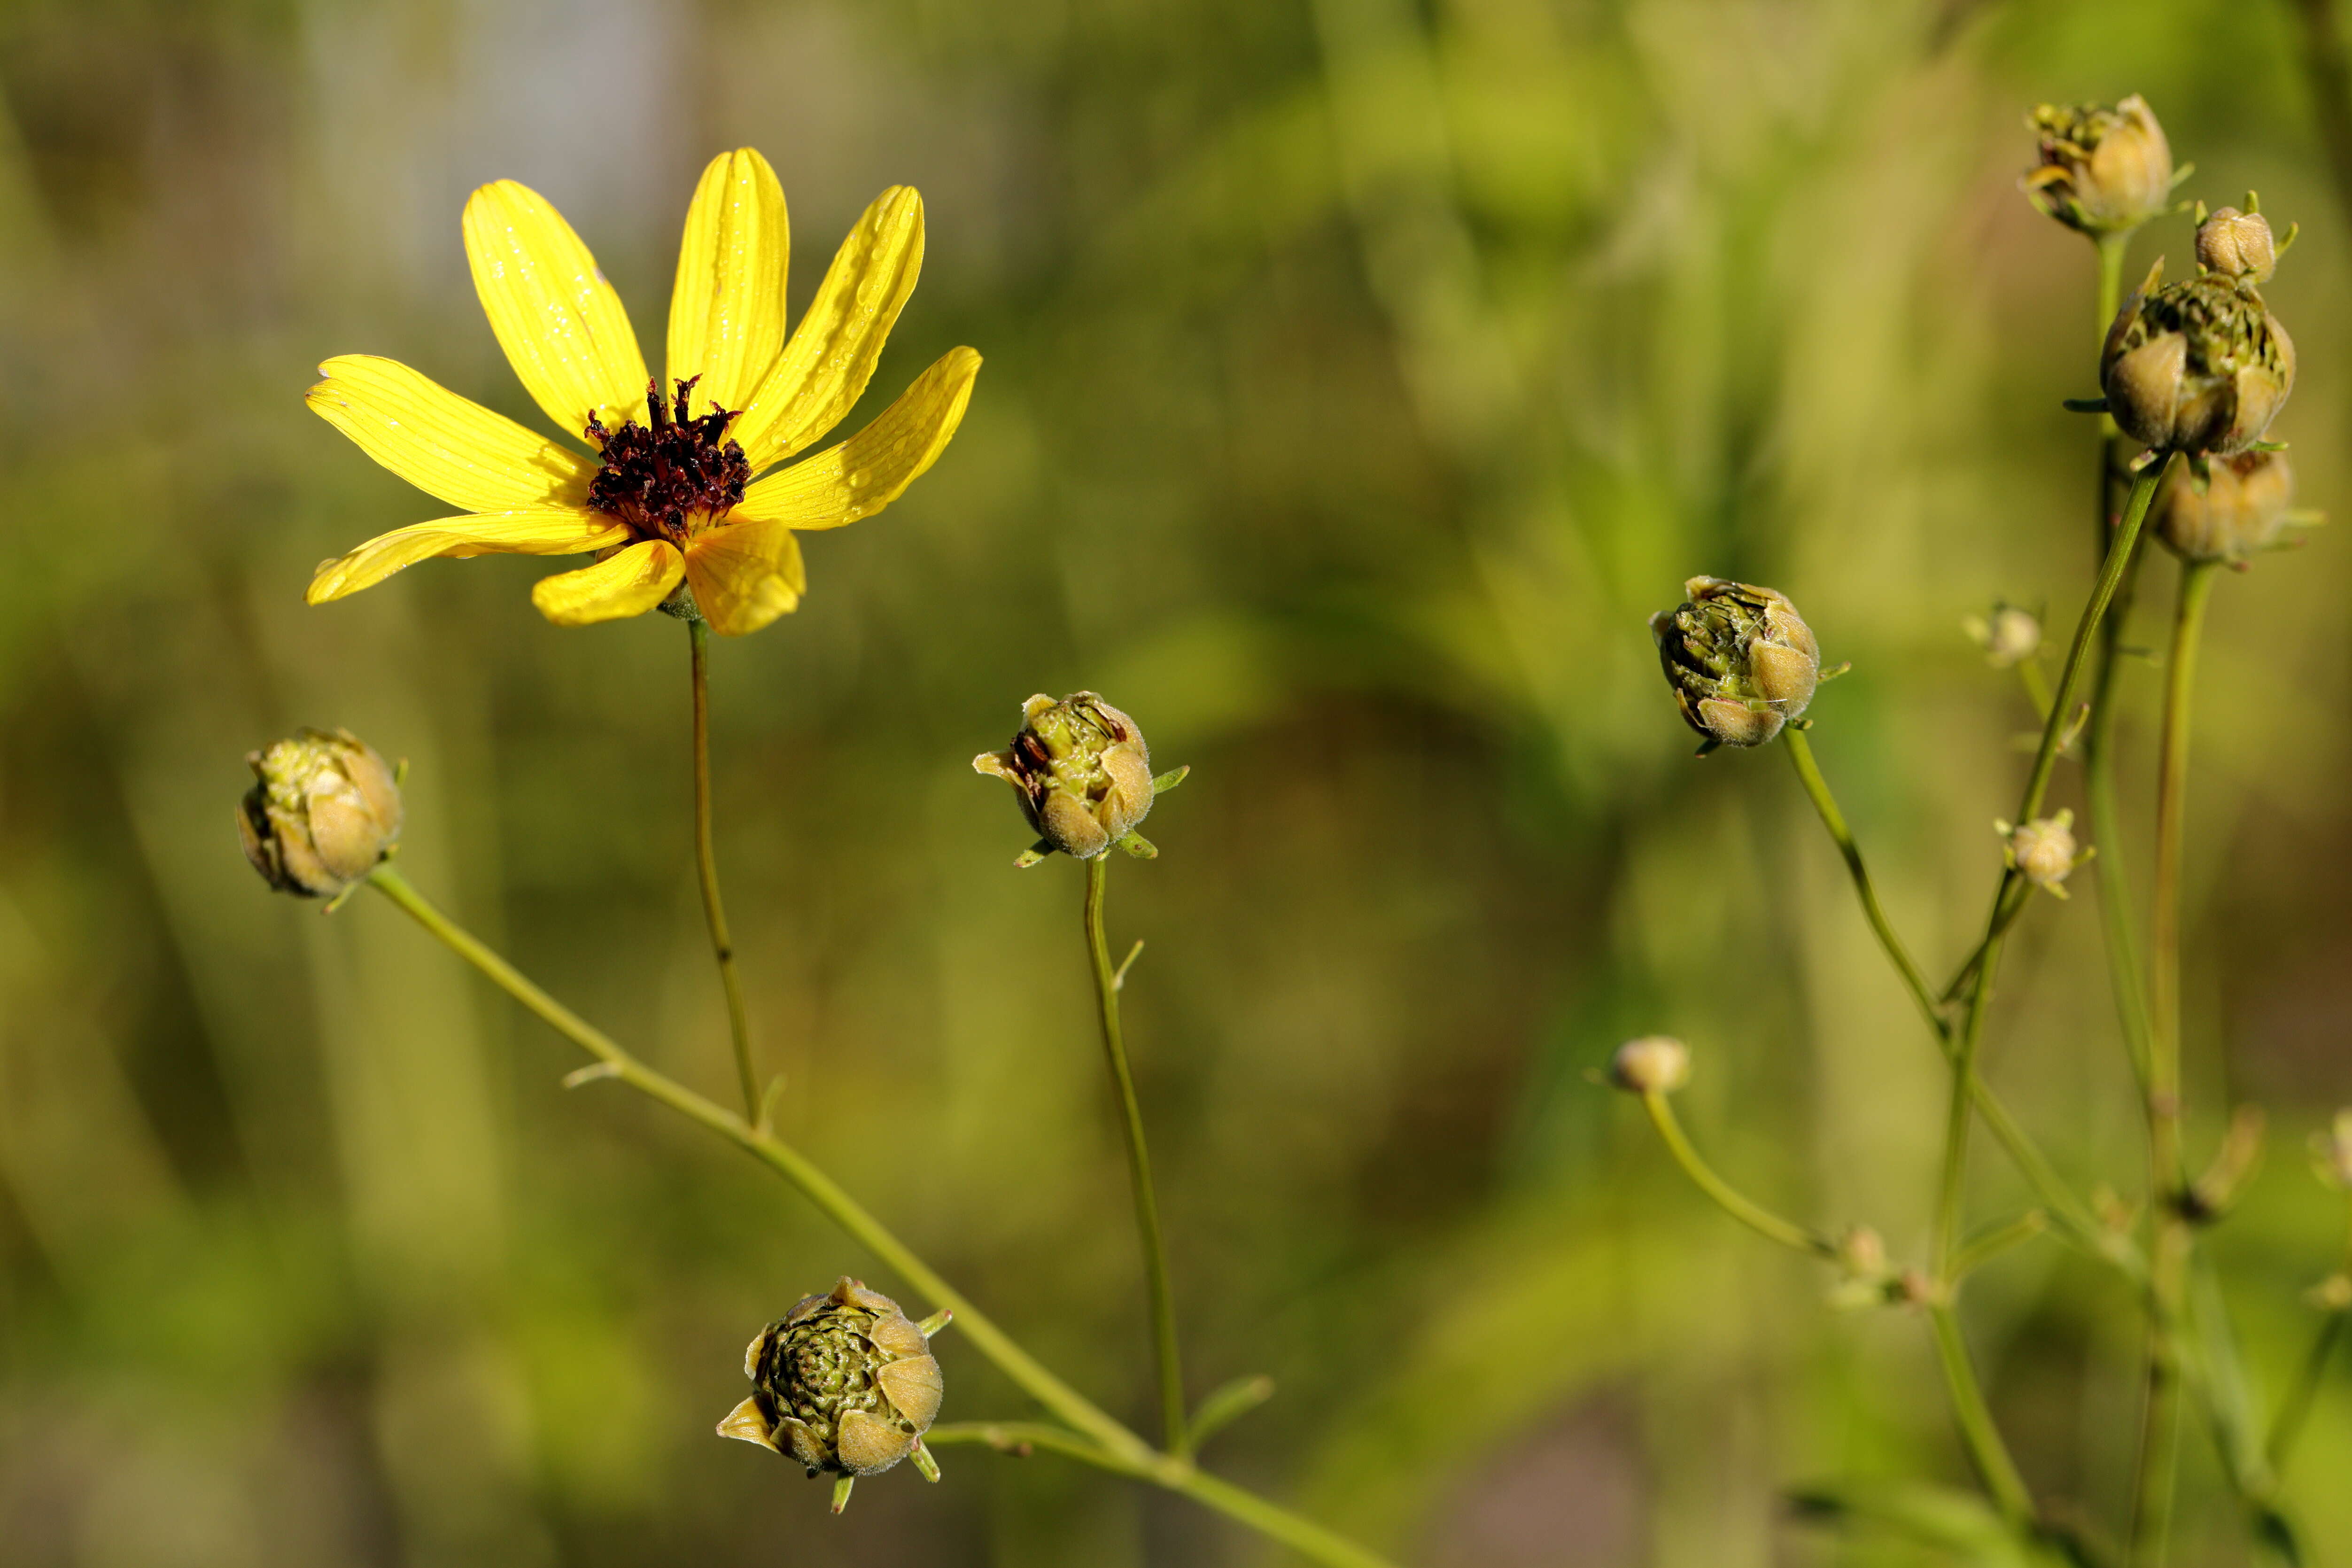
(1361, 373)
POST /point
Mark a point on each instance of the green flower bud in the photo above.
(845, 1383)
(2239, 511)
(2103, 170)
(2237, 245)
(324, 812)
(2042, 850)
(1081, 769)
(1655, 1064)
(2009, 636)
(1741, 661)
(2197, 366)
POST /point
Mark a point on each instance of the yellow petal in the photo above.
(627, 582)
(726, 312)
(861, 476)
(444, 444)
(561, 323)
(548, 531)
(832, 352)
(744, 575)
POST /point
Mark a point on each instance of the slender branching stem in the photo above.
(1986, 1450)
(1094, 1435)
(722, 947)
(1139, 1163)
(2037, 789)
(1817, 789)
(1754, 1216)
(2168, 1175)
(2072, 1216)
(2295, 1406)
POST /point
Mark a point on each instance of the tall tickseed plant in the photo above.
(2192, 375)
(673, 506)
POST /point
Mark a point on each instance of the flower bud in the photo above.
(324, 812)
(1081, 769)
(2009, 636)
(2199, 365)
(2238, 513)
(1741, 661)
(2334, 1148)
(2103, 170)
(1655, 1064)
(2237, 245)
(844, 1383)
(2042, 850)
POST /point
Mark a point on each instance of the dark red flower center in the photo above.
(665, 477)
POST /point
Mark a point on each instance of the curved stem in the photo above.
(1817, 789)
(2169, 1275)
(1755, 1216)
(1139, 1163)
(1986, 1450)
(2037, 788)
(739, 1021)
(1113, 1446)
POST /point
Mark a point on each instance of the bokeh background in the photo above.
(1361, 373)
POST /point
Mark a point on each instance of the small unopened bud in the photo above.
(1740, 659)
(2042, 850)
(1655, 1064)
(845, 1383)
(2200, 365)
(2333, 1149)
(2236, 514)
(2104, 170)
(1081, 769)
(2237, 245)
(2009, 636)
(324, 811)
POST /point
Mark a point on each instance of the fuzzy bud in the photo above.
(2199, 365)
(2104, 170)
(324, 811)
(845, 1383)
(1081, 769)
(2237, 245)
(2042, 850)
(2239, 511)
(1655, 1064)
(1740, 659)
(2009, 636)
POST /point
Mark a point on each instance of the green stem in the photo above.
(2168, 1174)
(2037, 789)
(2111, 871)
(1755, 1216)
(1139, 1163)
(739, 1020)
(1817, 789)
(1112, 1444)
(2295, 1407)
(1986, 1450)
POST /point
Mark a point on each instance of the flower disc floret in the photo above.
(668, 477)
(844, 1383)
(2197, 366)
(1740, 659)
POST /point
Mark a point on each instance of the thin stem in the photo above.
(2168, 1176)
(2295, 1407)
(2037, 789)
(1115, 1447)
(1755, 1216)
(1817, 789)
(1986, 1450)
(723, 946)
(1139, 1163)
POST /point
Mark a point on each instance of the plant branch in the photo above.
(722, 947)
(1139, 1162)
(1754, 1216)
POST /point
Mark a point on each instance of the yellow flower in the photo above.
(671, 493)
